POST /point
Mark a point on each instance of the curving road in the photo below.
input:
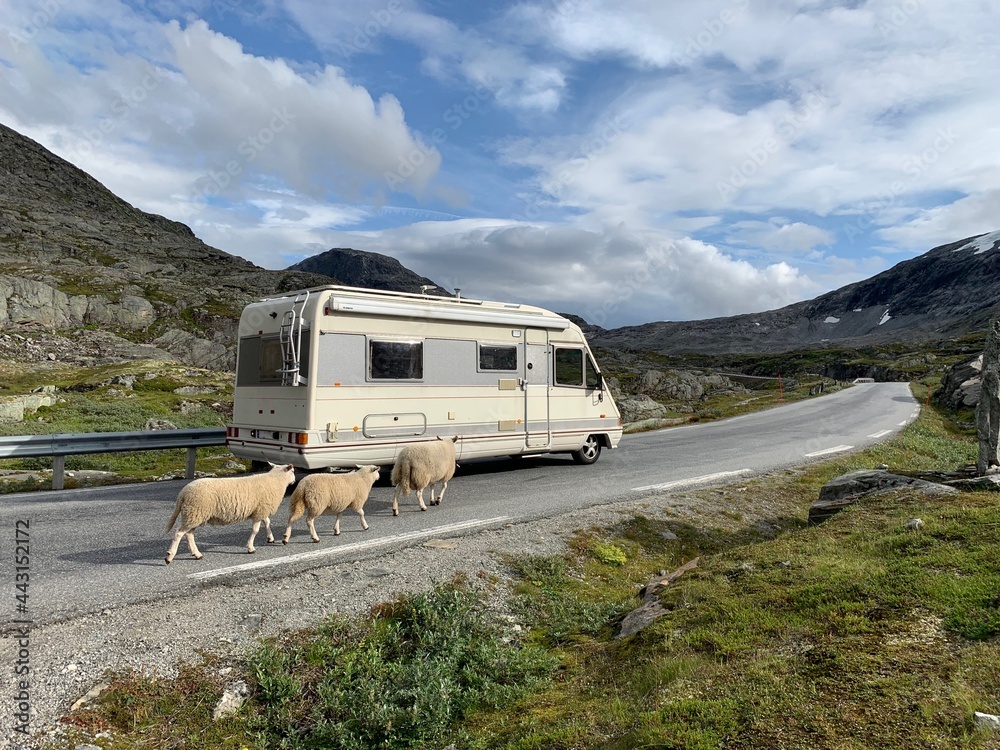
(94, 548)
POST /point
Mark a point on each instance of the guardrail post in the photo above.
(58, 472)
(192, 456)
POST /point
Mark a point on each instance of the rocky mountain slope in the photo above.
(76, 258)
(951, 290)
(365, 269)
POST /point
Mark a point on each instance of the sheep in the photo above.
(319, 494)
(422, 464)
(218, 501)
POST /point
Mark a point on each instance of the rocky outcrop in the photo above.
(365, 269)
(962, 384)
(188, 348)
(848, 489)
(988, 409)
(74, 255)
(16, 408)
(639, 408)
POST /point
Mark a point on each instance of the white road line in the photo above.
(340, 549)
(693, 480)
(902, 424)
(883, 433)
(834, 449)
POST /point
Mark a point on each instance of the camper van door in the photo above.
(538, 433)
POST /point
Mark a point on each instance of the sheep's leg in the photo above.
(433, 502)
(420, 498)
(253, 535)
(294, 515)
(312, 529)
(173, 545)
(192, 547)
(182, 532)
(267, 529)
(336, 525)
(395, 499)
(364, 523)
(441, 494)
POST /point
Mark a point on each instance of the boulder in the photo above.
(192, 350)
(638, 408)
(988, 409)
(961, 385)
(848, 489)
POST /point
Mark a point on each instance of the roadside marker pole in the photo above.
(781, 392)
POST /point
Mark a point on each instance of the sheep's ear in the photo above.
(360, 466)
(273, 466)
(455, 439)
(373, 469)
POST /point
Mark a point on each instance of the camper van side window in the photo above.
(592, 377)
(569, 366)
(492, 357)
(395, 360)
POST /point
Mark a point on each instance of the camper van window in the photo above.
(592, 377)
(260, 358)
(395, 360)
(271, 360)
(493, 357)
(569, 366)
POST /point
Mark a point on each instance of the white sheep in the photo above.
(319, 494)
(422, 464)
(223, 500)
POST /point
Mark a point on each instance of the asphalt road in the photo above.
(96, 548)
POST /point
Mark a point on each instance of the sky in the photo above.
(623, 160)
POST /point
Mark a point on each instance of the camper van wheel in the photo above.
(590, 452)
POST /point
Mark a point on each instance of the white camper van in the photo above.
(337, 376)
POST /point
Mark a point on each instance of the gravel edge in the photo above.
(69, 658)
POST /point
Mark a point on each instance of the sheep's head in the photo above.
(285, 469)
(369, 470)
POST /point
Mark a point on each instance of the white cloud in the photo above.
(611, 277)
(228, 119)
(779, 236)
(517, 79)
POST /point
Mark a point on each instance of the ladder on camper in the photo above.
(290, 337)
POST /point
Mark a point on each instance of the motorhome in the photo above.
(336, 376)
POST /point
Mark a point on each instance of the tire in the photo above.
(590, 452)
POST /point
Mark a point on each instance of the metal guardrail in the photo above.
(71, 444)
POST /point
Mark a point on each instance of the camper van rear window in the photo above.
(395, 360)
(493, 357)
(569, 366)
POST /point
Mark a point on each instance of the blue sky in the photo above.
(624, 160)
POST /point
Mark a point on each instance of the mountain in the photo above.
(75, 257)
(365, 269)
(949, 291)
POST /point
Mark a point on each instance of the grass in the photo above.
(856, 633)
(400, 677)
(90, 402)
